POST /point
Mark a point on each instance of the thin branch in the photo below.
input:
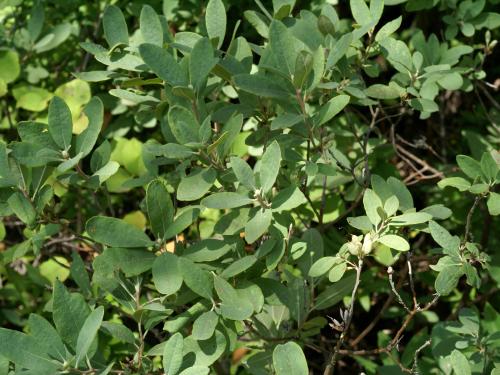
(469, 218)
(347, 322)
(414, 368)
(386, 305)
(412, 283)
(396, 293)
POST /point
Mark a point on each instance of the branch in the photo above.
(469, 218)
(333, 356)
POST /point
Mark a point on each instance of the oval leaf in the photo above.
(289, 359)
(115, 232)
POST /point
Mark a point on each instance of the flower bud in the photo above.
(367, 244)
(355, 245)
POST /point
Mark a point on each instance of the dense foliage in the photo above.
(239, 187)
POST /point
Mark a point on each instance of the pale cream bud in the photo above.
(355, 245)
(367, 244)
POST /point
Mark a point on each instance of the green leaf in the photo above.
(88, 333)
(457, 182)
(442, 237)
(239, 266)
(183, 125)
(451, 81)
(460, 363)
(447, 279)
(303, 66)
(3, 88)
(379, 91)
(233, 306)
(108, 170)
(176, 323)
(115, 232)
(132, 262)
(196, 278)
(224, 290)
(22, 207)
(9, 66)
(160, 207)
(282, 8)
(204, 325)
(150, 25)
(489, 166)
(388, 29)
(411, 218)
(53, 38)
(398, 54)
(133, 97)
(376, 9)
(330, 109)
(360, 12)
(215, 21)
(208, 250)
(225, 200)
(337, 272)
(237, 309)
(163, 64)
(69, 163)
(424, 105)
(46, 336)
(94, 75)
(339, 50)
(469, 166)
(26, 352)
(258, 21)
(270, 166)
(289, 359)
(205, 351)
(438, 211)
(196, 185)
(489, 20)
(282, 44)
(115, 27)
(404, 196)
(391, 205)
(196, 370)
(118, 331)
(243, 173)
(79, 273)
(493, 204)
(167, 275)
(35, 22)
(184, 219)
(169, 150)
(372, 203)
(86, 140)
(335, 293)
(382, 188)
(260, 85)
(286, 120)
(60, 123)
(69, 313)
(394, 242)
(288, 199)
(173, 354)
(201, 62)
(258, 225)
(479, 188)
(362, 223)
